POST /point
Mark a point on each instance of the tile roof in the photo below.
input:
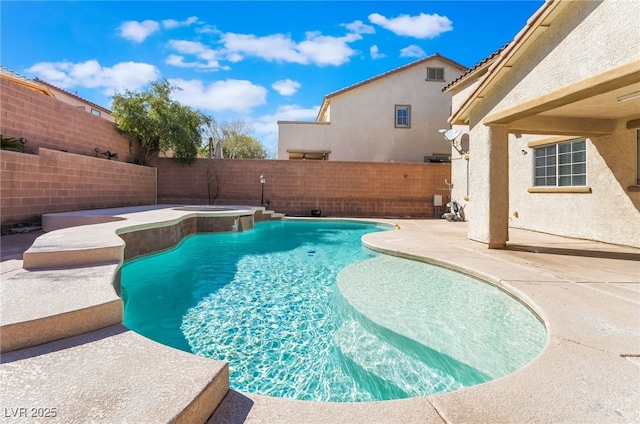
(478, 65)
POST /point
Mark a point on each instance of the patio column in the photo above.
(489, 185)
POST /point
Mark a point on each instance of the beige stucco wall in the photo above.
(586, 39)
(362, 119)
(609, 213)
(461, 172)
(73, 101)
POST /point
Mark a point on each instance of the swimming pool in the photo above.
(267, 301)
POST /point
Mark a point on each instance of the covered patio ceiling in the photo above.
(587, 108)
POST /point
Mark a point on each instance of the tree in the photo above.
(236, 138)
(158, 122)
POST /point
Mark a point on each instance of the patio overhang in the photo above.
(309, 154)
(587, 108)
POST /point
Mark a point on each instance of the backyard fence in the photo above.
(349, 189)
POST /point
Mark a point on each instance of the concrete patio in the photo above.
(586, 293)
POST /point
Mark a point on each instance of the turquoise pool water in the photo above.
(267, 301)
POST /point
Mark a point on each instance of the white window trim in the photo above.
(558, 188)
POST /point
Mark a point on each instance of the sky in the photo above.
(254, 61)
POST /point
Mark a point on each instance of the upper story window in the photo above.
(403, 116)
(561, 164)
(435, 74)
(95, 112)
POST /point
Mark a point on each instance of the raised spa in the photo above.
(300, 309)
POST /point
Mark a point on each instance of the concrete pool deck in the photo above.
(587, 294)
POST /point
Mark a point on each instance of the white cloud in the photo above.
(412, 51)
(316, 48)
(207, 56)
(294, 113)
(420, 26)
(124, 75)
(138, 31)
(375, 52)
(172, 23)
(286, 87)
(327, 50)
(207, 29)
(193, 47)
(359, 27)
(276, 47)
(240, 96)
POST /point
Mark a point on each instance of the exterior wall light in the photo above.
(263, 180)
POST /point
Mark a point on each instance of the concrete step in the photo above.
(45, 305)
(264, 214)
(112, 375)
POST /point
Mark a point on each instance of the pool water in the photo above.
(267, 301)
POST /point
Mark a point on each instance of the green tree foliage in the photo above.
(158, 122)
(236, 137)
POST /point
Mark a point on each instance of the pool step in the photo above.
(46, 305)
(263, 214)
(112, 375)
(379, 366)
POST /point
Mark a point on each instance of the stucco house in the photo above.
(77, 101)
(550, 128)
(391, 117)
(58, 93)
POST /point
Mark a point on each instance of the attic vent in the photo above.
(435, 74)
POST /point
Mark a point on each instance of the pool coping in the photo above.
(593, 333)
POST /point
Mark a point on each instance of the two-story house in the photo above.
(391, 117)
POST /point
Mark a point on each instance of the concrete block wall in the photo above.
(350, 189)
(55, 181)
(47, 122)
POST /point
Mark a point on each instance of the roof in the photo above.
(480, 65)
(97, 106)
(539, 21)
(325, 101)
(22, 80)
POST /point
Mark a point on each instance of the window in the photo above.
(403, 116)
(95, 112)
(435, 74)
(561, 165)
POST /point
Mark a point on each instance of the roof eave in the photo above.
(31, 85)
(323, 108)
(538, 22)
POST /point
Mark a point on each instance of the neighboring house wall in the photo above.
(343, 189)
(581, 48)
(362, 120)
(54, 181)
(81, 103)
(47, 122)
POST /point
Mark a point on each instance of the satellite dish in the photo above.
(450, 134)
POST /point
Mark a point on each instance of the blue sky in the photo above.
(259, 62)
